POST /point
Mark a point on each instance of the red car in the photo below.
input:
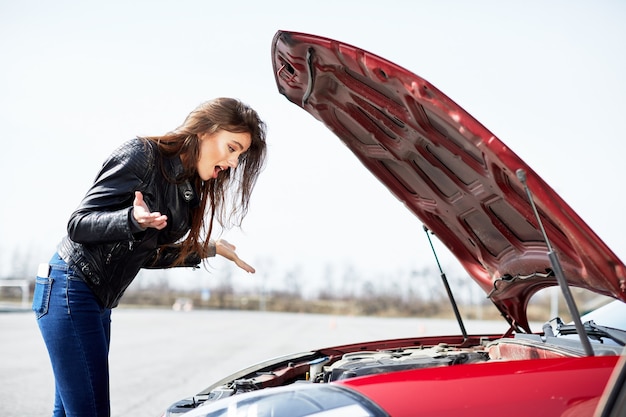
(510, 231)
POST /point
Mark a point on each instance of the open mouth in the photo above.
(217, 170)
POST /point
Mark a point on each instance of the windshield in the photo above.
(610, 315)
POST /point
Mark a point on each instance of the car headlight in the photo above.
(297, 400)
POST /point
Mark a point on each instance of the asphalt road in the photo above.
(160, 356)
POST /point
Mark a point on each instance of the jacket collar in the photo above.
(174, 168)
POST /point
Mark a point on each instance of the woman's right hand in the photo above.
(144, 217)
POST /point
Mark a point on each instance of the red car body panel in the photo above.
(447, 168)
(547, 387)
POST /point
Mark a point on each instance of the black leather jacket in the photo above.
(105, 244)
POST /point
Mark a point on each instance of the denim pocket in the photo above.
(41, 296)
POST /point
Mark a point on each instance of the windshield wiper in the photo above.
(594, 331)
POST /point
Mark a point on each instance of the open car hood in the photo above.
(448, 169)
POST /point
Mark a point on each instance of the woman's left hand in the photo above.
(227, 250)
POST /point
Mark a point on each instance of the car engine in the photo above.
(367, 363)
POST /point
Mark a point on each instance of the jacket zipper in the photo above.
(114, 248)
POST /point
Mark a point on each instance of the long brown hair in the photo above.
(228, 195)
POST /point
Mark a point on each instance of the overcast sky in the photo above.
(77, 78)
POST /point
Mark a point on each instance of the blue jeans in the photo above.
(77, 332)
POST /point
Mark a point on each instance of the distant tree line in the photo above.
(340, 290)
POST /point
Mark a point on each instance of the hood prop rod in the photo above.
(448, 290)
(558, 271)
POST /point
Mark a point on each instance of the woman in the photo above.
(146, 209)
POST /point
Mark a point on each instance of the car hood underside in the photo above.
(448, 169)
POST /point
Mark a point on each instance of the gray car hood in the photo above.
(448, 169)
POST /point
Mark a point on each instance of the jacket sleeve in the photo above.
(166, 256)
(104, 214)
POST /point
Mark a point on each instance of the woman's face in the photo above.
(220, 151)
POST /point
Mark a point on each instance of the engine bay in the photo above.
(336, 364)
(326, 366)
